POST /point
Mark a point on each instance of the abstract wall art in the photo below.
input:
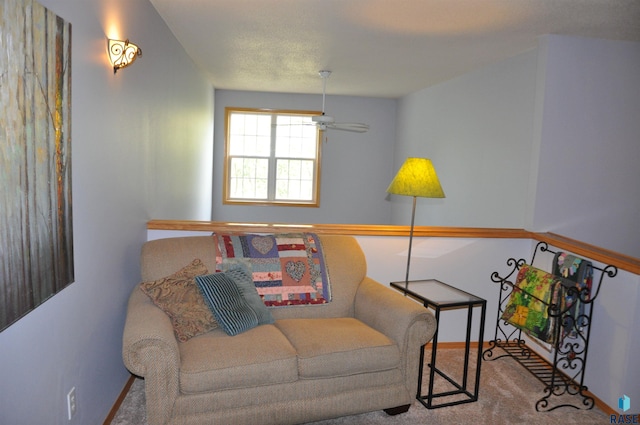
(36, 235)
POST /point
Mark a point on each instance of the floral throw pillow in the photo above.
(178, 296)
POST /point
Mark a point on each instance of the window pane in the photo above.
(262, 147)
(283, 126)
(306, 190)
(294, 189)
(308, 147)
(282, 189)
(294, 147)
(252, 124)
(250, 134)
(254, 145)
(236, 144)
(294, 170)
(262, 169)
(282, 146)
(236, 124)
(262, 189)
(248, 179)
(263, 125)
(294, 135)
(282, 170)
(293, 180)
(306, 170)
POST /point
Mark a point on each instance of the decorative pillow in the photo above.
(528, 307)
(178, 296)
(229, 307)
(247, 288)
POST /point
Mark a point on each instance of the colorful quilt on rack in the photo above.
(577, 273)
(528, 307)
(287, 269)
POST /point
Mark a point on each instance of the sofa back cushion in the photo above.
(344, 258)
(163, 257)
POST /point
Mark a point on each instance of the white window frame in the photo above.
(271, 196)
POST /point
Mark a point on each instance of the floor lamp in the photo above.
(416, 177)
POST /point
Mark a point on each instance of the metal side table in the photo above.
(441, 296)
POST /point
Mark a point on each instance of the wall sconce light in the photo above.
(122, 53)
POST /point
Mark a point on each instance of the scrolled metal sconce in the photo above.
(122, 53)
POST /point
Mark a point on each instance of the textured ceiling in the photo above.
(381, 48)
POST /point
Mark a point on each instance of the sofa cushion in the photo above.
(216, 361)
(329, 347)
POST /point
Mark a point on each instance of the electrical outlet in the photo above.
(71, 402)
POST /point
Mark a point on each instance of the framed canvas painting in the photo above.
(36, 234)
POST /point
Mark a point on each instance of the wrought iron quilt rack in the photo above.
(564, 378)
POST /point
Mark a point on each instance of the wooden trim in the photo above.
(595, 253)
(601, 404)
(341, 229)
(118, 403)
(602, 255)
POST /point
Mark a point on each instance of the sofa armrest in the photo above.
(150, 350)
(400, 318)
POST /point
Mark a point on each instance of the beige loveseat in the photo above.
(355, 354)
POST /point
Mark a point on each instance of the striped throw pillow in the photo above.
(231, 310)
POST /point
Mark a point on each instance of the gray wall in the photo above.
(141, 149)
(477, 129)
(356, 167)
(588, 183)
(546, 141)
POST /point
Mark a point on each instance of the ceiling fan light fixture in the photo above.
(324, 122)
(322, 119)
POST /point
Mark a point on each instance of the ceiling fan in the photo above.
(324, 121)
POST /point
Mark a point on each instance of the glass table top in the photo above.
(437, 292)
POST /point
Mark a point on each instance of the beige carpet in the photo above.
(507, 396)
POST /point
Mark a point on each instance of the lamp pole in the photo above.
(413, 216)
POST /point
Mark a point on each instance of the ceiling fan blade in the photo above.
(354, 127)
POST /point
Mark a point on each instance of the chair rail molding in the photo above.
(621, 261)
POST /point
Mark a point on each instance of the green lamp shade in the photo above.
(417, 177)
